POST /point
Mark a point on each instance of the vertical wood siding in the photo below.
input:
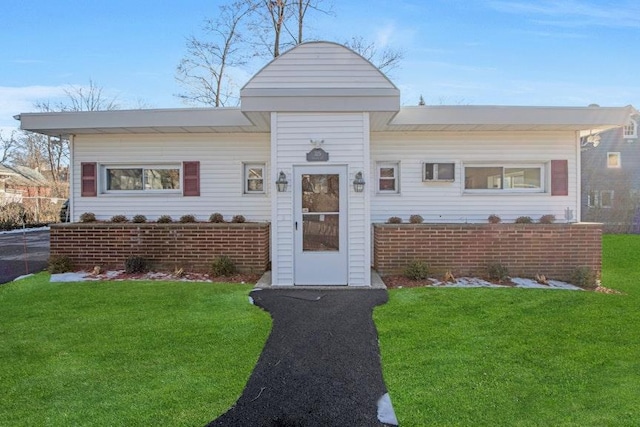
(446, 202)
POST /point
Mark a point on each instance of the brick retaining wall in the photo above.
(168, 246)
(553, 250)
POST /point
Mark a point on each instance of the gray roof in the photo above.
(22, 176)
(326, 77)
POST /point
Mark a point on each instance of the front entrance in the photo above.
(320, 222)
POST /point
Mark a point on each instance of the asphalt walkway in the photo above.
(23, 253)
(320, 365)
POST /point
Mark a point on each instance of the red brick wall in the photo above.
(168, 246)
(553, 250)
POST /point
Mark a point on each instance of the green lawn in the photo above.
(124, 353)
(179, 354)
(517, 357)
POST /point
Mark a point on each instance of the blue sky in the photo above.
(480, 52)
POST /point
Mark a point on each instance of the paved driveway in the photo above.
(14, 261)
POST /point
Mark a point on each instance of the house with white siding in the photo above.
(321, 149)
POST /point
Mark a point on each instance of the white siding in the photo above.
(319, 65)
(447, 202)
(346, 138)
(221, 158)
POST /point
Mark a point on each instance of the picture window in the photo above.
(511, 178)
(141, 178)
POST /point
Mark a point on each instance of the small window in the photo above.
(388, 174)
(600, 198)
(630, 130)
(254, 178)
(439, 172)
(141, 178)
(504, 178)
(613, 160)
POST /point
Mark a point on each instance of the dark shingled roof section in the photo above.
(320, 365)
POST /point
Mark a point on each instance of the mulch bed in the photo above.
(400, 281)
(242, 278)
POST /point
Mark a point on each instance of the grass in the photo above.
(179, 354)
(517, 357)
(124, 353)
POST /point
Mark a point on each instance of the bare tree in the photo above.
(204, 70)
(277, 9)
(44, 152)
(81, 98)
(301, 9)
(386, 60)
(31, 151)
(280, 24)
(8, 146)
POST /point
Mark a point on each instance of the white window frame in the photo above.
(617, 156)
(396, 176)
(630, 130)
(540, 165)
(245, 177)
(610, 205)
(105, 167)
(436, 177)
(594, 198)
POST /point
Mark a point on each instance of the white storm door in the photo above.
(320, 210)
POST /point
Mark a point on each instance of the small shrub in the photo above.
(187, 219)
(494, 219)
(497, 271)
(223, 266)
(13, 215)
(416, 219)
(547, 219)
(417, 270)
(139, 219)
(524, 220)
(59, 264)
(119, 218)
(238, 219)
(216, 217)
(164, 219)
(88, 217)
(394, 220)
(584, 277)
(136, 264)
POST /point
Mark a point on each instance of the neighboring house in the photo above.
(611, 178)
(20, 182)
(321, 148)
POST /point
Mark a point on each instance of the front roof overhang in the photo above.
(183, 120)
(506, 118)
(408, 119)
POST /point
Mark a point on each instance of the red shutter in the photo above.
(191, 178)
(88, 186)
(559, 178)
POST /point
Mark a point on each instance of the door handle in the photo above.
(296, 225)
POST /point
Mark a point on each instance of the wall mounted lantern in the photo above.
(358, 183)
(282, 182)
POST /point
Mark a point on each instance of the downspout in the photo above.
(70, 179)
(578, 178)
